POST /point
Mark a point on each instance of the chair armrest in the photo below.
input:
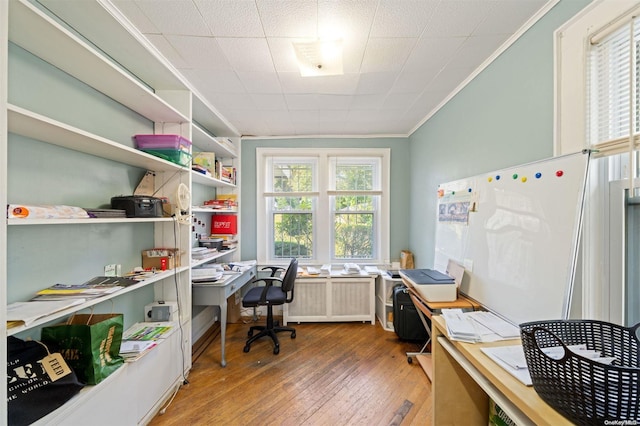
(274, 269)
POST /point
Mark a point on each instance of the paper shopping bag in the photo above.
(90, 343)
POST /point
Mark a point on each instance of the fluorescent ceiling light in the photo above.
(321, 57)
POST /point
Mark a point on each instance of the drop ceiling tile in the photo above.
(414, 81)
(289, 18)
(476, 50)
(386, 54)
(167, 50)
(137, 17)
(292, 82)
(174, 16)
(269, 102)
(234, 101)
(431, 53)
(457, 18)
(260, 82)
(376, 82)
(212, 82)
(402, 18)
(199, 52)
(367, 102)
(333, 102)
(332, 115)
(336, 84)
(247, 54)
(400, 101)
(301, 102)
(511, 17)
(231, 18)
(284, 57)
(345, 19)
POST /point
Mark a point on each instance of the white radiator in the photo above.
(332, 299)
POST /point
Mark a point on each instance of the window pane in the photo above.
(354, 203)
(353, 236)
(353, 176)
(293, 235)
(292, 204)
(292, 177)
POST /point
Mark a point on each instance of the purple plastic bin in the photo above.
(162, 142)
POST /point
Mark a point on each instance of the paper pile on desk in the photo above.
(478, 326)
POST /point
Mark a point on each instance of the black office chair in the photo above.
(270, 295)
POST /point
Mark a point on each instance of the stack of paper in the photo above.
(478, 326)
(20, 313)
(141, 337)
(460, 326)
(96, 287)
(351, 269)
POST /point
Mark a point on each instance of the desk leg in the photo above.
(223, 329)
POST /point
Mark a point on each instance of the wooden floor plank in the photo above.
(335, 373)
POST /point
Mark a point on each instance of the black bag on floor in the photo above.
(31, 392)
(406, 320)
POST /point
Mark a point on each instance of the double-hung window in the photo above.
(323, 205)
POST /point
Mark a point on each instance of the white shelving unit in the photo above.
(91, 42)
(384, 299)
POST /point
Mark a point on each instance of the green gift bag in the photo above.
(90, 343)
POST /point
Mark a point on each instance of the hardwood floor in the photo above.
(330, 374)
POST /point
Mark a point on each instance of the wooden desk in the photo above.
(464, 379)
(426, 310)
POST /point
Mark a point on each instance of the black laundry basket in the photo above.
(585, 391)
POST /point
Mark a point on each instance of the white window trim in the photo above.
(570, 50)
(601, 296)
(262, 226)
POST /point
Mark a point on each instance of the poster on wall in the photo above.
(454, 212)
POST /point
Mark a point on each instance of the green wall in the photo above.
(502, 118)
(399, 184)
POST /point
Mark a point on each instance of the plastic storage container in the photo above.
(162, 142)
(174, 155)
(585, 391)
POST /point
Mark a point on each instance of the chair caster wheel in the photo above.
(409, 360)
(276, 350)
(246, 348)
(250, 333)
(293, 335)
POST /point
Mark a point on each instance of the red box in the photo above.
(224, 224)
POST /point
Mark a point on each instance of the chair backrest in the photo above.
(289, 278)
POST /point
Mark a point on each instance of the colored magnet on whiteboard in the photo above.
(559, 173)
(440, 192)
(469, 190)
(538, 175)
(497, 177)
(489, 179)
(515, 176)
(524, 179)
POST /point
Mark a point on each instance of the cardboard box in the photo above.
(160, 258)
(224, 224)
(234, 303)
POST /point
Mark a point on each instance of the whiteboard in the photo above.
(516, 233)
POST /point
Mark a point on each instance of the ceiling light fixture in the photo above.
(319, 58)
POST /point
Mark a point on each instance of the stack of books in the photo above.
(142, 337)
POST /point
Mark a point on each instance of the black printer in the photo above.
(138, 205)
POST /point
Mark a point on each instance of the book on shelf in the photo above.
(149, 331)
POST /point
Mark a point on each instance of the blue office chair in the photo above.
(269, 295)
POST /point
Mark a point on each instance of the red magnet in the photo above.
(559, 173)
